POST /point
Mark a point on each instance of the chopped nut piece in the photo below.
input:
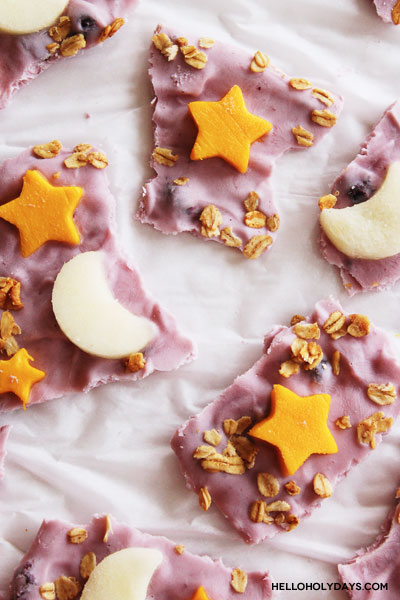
(164, 156)
(211, 219)
(299, 83)
(10, 294)
(52, 48)
(251, 202)
(323, 96)
(193, 57)
(239, 580)
(359, 326)
(292, 488)
(229, 238)
(289, 368)
(303, 136)
(334, 322)
(376, 423)
(110, 30)
(223, 463)
(343, 422)
(203, 452)
(135, 362)
(180, 549)
(67, 588)
(204, 498)
(336, 362)
(181, 180)
(245, 449)
(307, 331)
(77, 535)
(48, 591)
(62, 28)
(322, 485)
(255, 219)
(256, 246)
(259, 63)
(87, 565)
(212, 437)
(296, 319)
(71, 45)
(396, 13)
(47, 150)
(273, 222)
(382, 393)
(109, 528)
(98, 160)
(76, 160)
(327, 201)
(324, 118)
(206, 42)
(278, 505)
(267, 484)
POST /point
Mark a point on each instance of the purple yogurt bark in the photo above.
(379, 563)
(363, 360)
(179, 575)
(68, 369)
(384, 8)
(4, 433)
(357, 183)
(173, 208)
(24, 57)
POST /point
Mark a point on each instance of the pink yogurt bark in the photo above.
(179, 575)
(172, 208)
(358, 182)
(363, 360)
(68, 369)
(24, 57)
(384, 9)
(377, 564)
(4, 433)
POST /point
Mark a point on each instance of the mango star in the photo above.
(200, 594)
(43, 212)
(226, 129)
(17, 376)
(297, 426)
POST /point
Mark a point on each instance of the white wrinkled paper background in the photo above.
(109, 451)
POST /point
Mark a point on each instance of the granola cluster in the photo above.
(10, 299)
(191, 55)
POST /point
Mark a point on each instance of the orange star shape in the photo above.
(17, 375)
(297, 426)
(226, 129)
(200, 594)
(43, 212)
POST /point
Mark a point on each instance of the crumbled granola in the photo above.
(258, 514)
(229, 238)
(98, 160)
(245, 449)
(367, 428)
(256, 246)
(382, 393)
(289, 368)
(296, 319)
(56, 175)
(10, 293)
(396, 13)
(309, 354)
(179, 549)
(49, 150)
(71, 45)
(8, 329)
(53, 48)
(251, 201)
(204, 498)
(343, 422)
(82, 148)
(181, 180)
(231, 426)
(323, 96)
(259, 62)
(203, 452)
(193, 57)
(322, 486)
(268, 485)
(67, 588)
(336, 362)
(278, 505)
(290, 522)
(307, 331)
(292, 488)
(210, 219)
(303, 136)
(76, 160)
(77, 535)
(273, 222)
(239, 580)
(359, 325)
(110, 30)
(135, 362)
(255, 219)
(299, 83)
(87, 565)
(334, 323)
(182, 41)
(61, 29)
(48, 591)
(164, 44)
(108, 528)
(212, 437)
(223, 463)
(324, 118)
(327, 201)
(165, 156)
(206, 42)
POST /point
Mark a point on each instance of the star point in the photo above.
(200, 594)
(226, 129)
(297, 427)
(18, 376)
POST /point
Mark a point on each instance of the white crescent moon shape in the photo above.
(123, 575)
(28, 16)
(371, 229)
(90, 316)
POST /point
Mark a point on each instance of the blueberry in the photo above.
(318, 373)
(87, 23)
(360, 192)
(23, 582)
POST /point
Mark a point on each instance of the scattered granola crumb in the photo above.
(49, 150)
(367, 428)
(296, 319)
(268, 485)
(278, 505)
(204, 498)
(382, 393)
(239, 580)
(212, 437)
(56, 175)
(327, 201)
(8, 329)
(71, 45)
(77, 535)
(98, 160)
(359, 325)
(273, 222)
(61, 29)
(87, 565)
(289, 368)
(303, 136)
(299, 83)
(251, 201)
(48, 591)
(322, 485)
(259, 62)
(343, 422)
(231, 426)
(258, 514)
(76, 160)
(210, 219)
(334, 323)
(193, 57)
(206, 42)
(225, 463)
(82, 148)
(396, 13)
(110, 30)
(53, 48)
(255, 219)
(307, 331)
(135, 362)
(164, 156)
(67, 588)
(229, 238)
(336, 362)
(256, 246)
(181, 180)
(180, 549)
(309, 354)
(323, 96)
(108, 528)
(324, 118)
(10, 294)
(292, 488)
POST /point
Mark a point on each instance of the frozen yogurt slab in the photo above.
(221, 120)
(57, 223)
(76, 557)
(278, 440)
(376, 565)
(81, 26)
(368, 191)
(388, 10)
(4, 433)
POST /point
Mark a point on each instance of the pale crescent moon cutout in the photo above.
(370, 230)
(28, 16)
(90, 316)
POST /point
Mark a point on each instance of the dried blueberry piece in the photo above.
(87, 23)
(318, 373)
(360, 192)
(22, 582)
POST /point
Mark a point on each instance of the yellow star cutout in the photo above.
(43, 212)
(297, 426)
(200, 594)
(226, 129)
(17, 375)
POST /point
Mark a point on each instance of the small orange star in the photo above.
(297, 426)
(226, 129)
(17, 375)
(43, 212)
(200, 594)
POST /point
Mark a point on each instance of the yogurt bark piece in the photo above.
(4, 433)
(359, 181)
(66, 367)
(179, 575)
(388, 10)
(83, 25)
(241, 474)
(210, 198)
(379, 563)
